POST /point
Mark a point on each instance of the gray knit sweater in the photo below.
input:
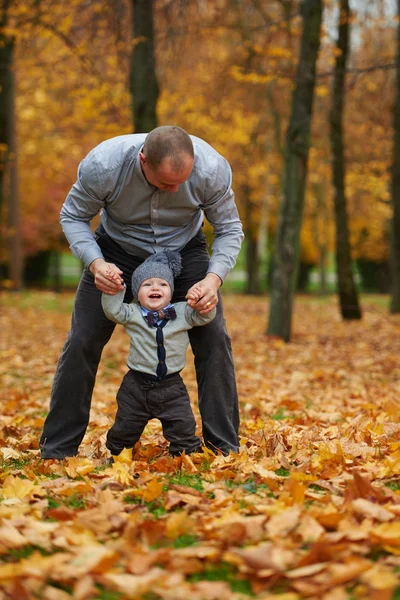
(143, 347)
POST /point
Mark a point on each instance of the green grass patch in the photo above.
(43, 300)
(317, 488)
(154, 507)
(279, 415)
(52, 503)
(188, 480)
(51, 476)
(75, 501)
(223, 572)
(282, 472)
(250, 486)
(103, 594)
(393, 485)
(185, 540)
(15, 464)
(60, 586)
(16, 554)
(377, 553)
(100, 468)
(396, 595)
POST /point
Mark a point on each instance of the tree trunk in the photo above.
(320, 227)
(287, 240)
(395, 238)
(252, 260)
(349, 305)
(9, 198)
(143, 80)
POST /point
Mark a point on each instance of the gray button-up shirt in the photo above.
(143, 219)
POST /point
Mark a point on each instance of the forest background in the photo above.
(225, 72)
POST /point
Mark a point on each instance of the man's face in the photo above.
(154, 293)
(165, 178)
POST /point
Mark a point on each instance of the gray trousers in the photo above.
(90, 331)
(140, 399)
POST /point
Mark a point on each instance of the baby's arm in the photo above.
(194, 318)
(116, 309)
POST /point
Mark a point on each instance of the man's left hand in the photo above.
(206, 291)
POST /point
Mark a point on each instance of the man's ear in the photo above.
(142, 157)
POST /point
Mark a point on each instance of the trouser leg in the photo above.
(131, 418)
(74, 379)
(75, 375)
(171, 404)
(218, 399)
(215, 371)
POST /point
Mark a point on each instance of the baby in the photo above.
(153, 387)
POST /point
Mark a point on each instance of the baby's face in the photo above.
(154, 293)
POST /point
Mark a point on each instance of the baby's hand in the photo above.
(112, 276)
(194, 294)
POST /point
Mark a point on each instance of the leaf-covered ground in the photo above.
(309, 508)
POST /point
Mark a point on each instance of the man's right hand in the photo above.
(107, 276)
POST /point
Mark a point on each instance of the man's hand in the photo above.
(107, 276)
(203, 296)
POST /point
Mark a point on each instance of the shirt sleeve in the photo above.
(221, 212)
(84, 201)
(116, 309)
(194, 318)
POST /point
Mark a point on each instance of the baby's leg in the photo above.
(177, 419)
(131, 418)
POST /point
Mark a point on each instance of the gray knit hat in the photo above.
(164, 265)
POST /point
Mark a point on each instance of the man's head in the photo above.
(153, 280)
(167, 158)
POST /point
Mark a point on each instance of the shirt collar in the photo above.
(140, 174)
(146, 311)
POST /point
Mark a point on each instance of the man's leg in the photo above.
(211, 345)
(75, 376)
(215, 371)
(74, 379)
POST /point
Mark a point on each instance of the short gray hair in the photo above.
(168, 142)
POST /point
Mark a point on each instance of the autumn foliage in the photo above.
(309, 508)
(226, 72)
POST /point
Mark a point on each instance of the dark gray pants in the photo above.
(90, 331)
(140, 399)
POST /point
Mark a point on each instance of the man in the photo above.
(153, 192)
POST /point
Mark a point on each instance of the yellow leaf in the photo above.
(281, 524)
(76, 467)
(121, 472)
(379, 578)
(152, 491)
(93, 559)
(9, 571)
(388, 533)
(9, 453)
(301, 476)
(369, 509)
(177, 524)
(297, 491)
(124, 457)
(10, 536)
(14, 487)
(135, 586)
